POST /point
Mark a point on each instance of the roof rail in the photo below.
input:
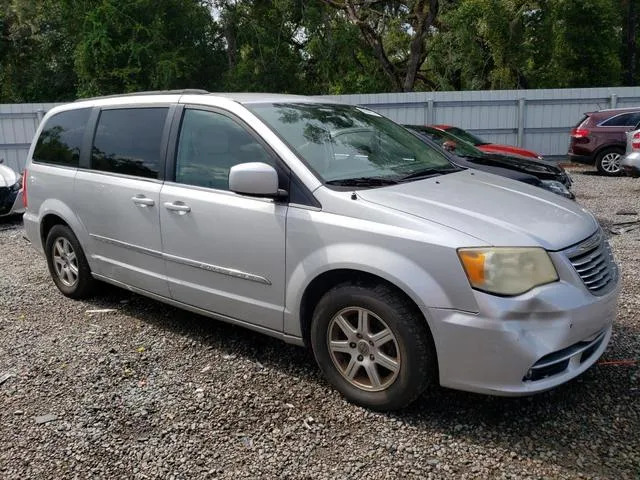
(185, 91)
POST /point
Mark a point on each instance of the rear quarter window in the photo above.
(61, 138)
(624, 120)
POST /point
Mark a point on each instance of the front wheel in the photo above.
(608, 162)
(373, 345)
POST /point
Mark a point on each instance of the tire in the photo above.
(411, 346)
(67, 263)
(608, 161)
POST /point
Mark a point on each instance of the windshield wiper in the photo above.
(362, 182)
(428, 172)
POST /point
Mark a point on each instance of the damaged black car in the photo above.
(540, 173)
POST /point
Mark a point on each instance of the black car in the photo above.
(542, 174)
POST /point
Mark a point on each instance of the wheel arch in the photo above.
(48, 222)
(323, 282)
(608, 146)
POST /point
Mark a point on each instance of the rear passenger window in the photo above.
(626, 120)
(127, 141)
(61, 138)
(209, 145)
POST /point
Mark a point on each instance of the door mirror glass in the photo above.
(254, 178)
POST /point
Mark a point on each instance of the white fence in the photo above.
(18, 123)
(539, 120)
(536, 119)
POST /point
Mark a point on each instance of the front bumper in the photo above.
(527, 344)
(631, 164)
(11, 202)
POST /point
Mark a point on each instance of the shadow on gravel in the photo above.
(591, 413)
(11, 222)
(596, 413)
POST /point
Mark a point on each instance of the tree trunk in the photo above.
(421, 17)
(631, 44)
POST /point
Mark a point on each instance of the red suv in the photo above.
(600, 138)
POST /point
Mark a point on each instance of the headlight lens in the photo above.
(556, 187)
(507, 271)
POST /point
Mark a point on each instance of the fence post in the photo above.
(521, 107)
(39, 115)
(429, 113)
(613, 100)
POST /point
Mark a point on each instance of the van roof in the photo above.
(240, 97)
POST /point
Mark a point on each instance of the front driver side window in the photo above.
(209, 145)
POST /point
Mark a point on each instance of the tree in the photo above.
(264, 50)
(629, 37)
(36, 51)
(396, 32)
(482, 44)
(136, 45)
(586, 39)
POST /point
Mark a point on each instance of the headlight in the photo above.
(556, 187)
(540, 157)
(507, 271)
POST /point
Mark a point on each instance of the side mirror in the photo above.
(449, 145)
(254, 178)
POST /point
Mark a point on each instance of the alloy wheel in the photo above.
(65, 262)
(363, 349)
(611, 162)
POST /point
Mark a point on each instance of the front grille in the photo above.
(557, 362)
(593, 260)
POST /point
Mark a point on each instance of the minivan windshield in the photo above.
(352, 146)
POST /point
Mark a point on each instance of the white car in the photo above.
(631, 162)
(10, 192)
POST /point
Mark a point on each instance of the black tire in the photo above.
(85, 282)
(414, 343)
(603, 166)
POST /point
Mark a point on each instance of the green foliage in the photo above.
(587, 37)
(146, 44)
(57, 50)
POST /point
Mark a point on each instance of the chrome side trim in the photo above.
(216, 316)
(230, 272)
(128, 246)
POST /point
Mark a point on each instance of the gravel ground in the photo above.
(150, 391)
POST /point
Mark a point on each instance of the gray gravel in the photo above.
(149, 391)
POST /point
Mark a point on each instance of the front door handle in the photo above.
(143, 201)
(179, 207)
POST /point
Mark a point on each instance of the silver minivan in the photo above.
(324, 225)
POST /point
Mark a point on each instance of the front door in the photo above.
(224, 252)
(120, 193)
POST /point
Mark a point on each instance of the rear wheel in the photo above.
(608, 161)
(67, 263)
(373, 345)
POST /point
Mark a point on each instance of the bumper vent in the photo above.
(557, 362)
(593, 260)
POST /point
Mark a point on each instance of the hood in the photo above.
(508, 149)
(525, 165)
(496, 169)
(493, 209)
(8, 177)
